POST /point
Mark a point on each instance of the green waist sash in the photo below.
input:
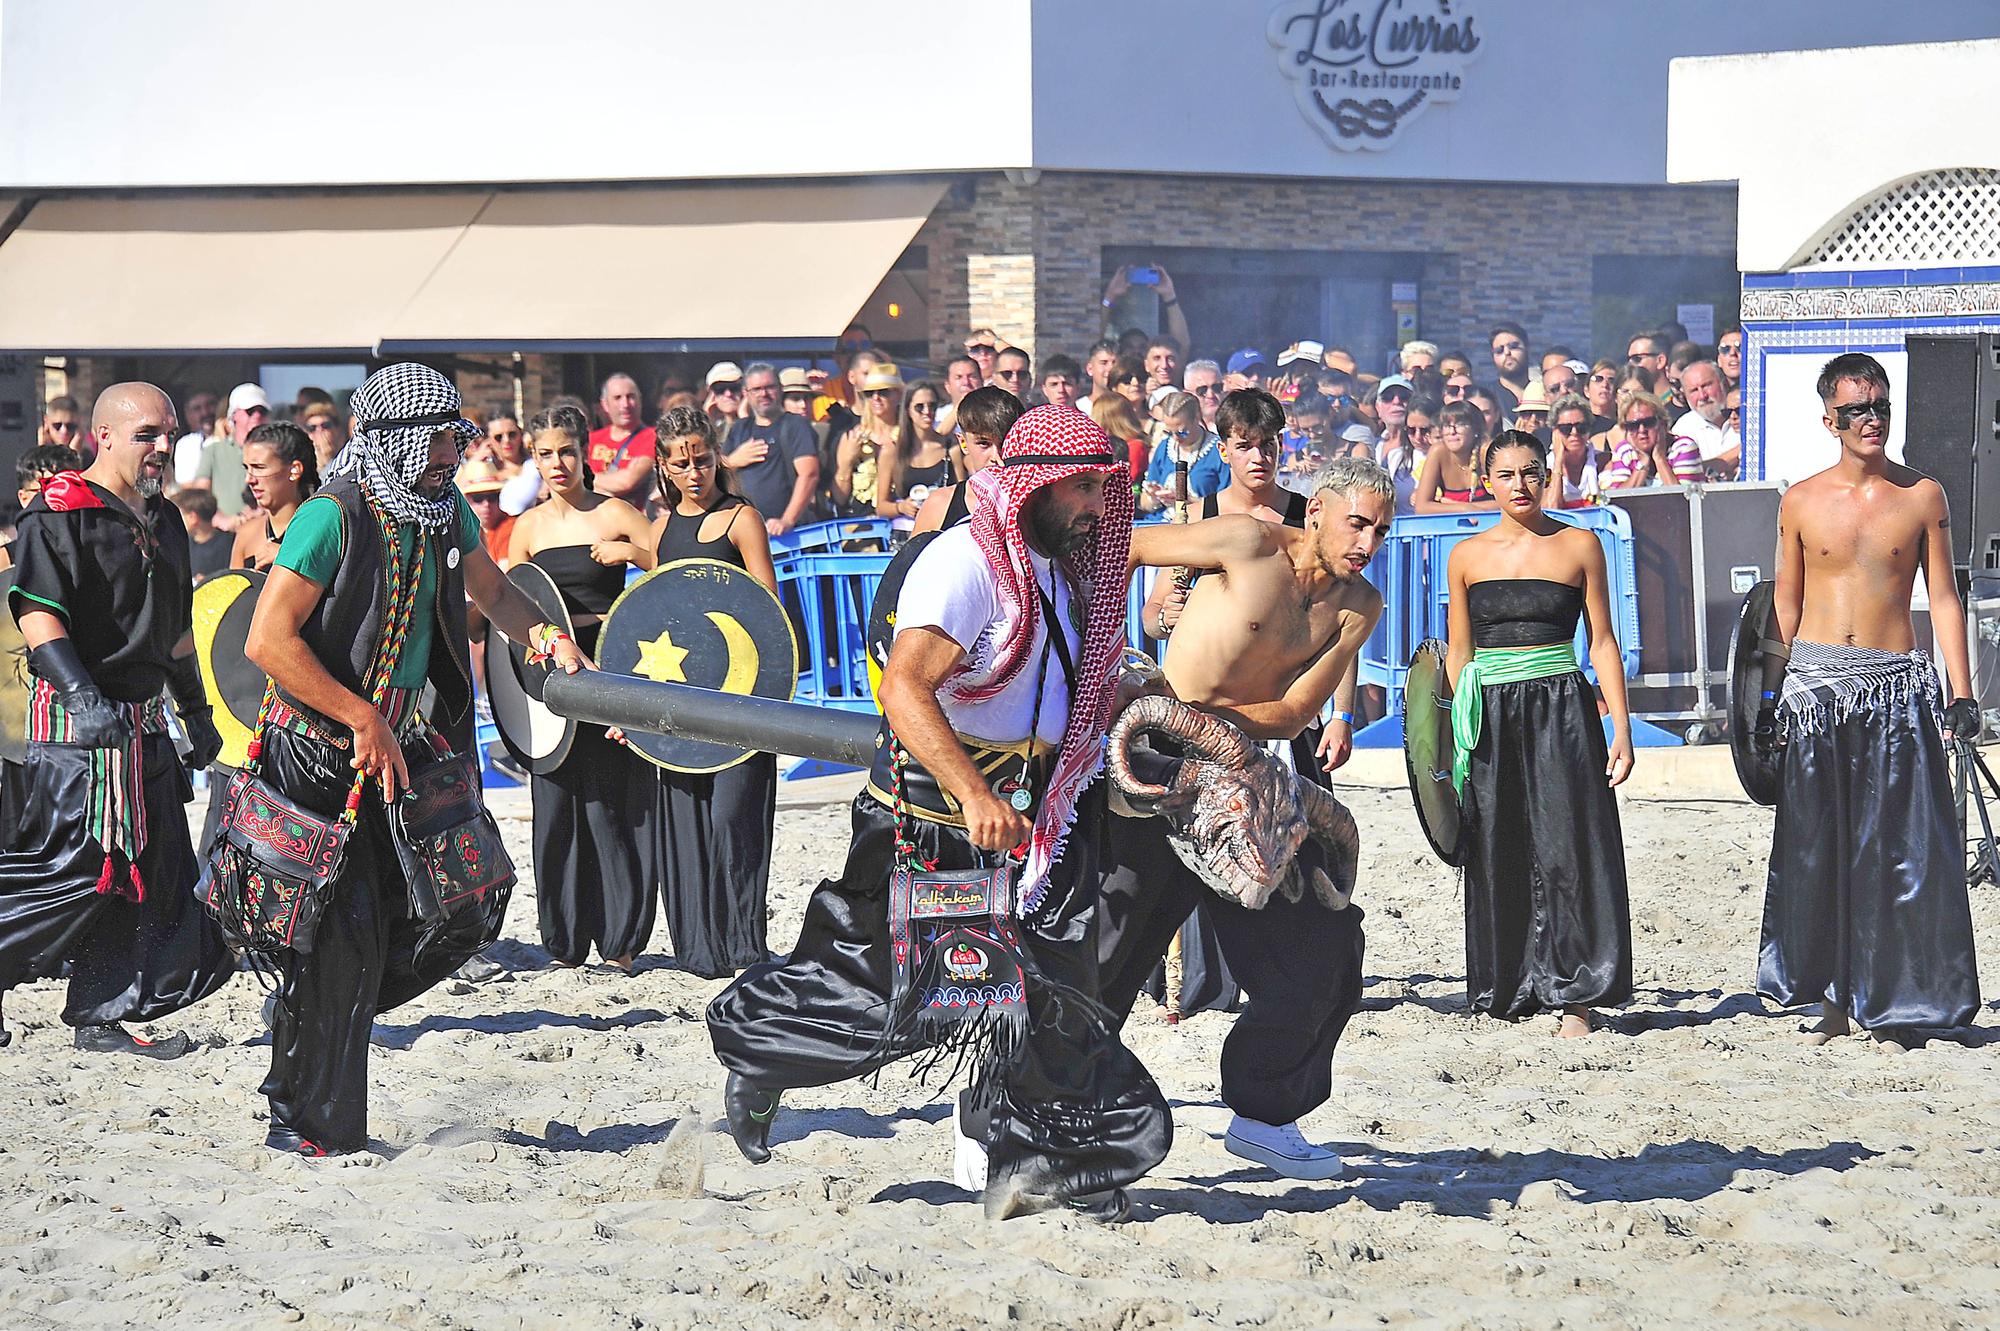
(1495, 666)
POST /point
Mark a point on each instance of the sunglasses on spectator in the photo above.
(1847, 415)
(1605, 377)
(1453, 392)
(982, 346)
(63, 427)
(1643, 423)
(1010, 374)
(879, 392)
(731, 388)
(1207, 390)
(1393, 395)
(1730, 349)
(1502, 347)
(1420, 431)
(1571, 427)
(1639, 357)
(801, 394)
(926, 407)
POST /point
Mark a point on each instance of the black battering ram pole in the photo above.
(630, 703)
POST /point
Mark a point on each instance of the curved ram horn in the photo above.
(1145, 713)
(1333, 827)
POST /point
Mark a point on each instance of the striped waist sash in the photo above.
(114, 809)
(1495, 666)
(1826, 683)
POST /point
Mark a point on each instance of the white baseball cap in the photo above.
(724, 372)
(245, 396)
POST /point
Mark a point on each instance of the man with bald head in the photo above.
(621, 452)
(99, 872)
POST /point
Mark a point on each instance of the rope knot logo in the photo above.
(1362, 69)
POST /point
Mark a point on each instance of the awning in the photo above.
(220, 273)
(559, 269)
(706, 267)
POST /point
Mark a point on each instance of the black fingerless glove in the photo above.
(1766, 730)
(95, 723)
(1961, 719)
(197, 718)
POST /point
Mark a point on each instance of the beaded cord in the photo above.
(403, 583)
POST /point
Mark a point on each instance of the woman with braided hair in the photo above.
(364, 607)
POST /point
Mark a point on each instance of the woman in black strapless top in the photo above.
(715, 829)
(1547, 924)
(280, 471)
(595, 857)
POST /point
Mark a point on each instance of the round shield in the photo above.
(1756, 764)
(705, 623)
(882, 612)
(538, 739)
(223, 608)
(1427, 750)
(14, 685)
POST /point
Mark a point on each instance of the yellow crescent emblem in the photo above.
(212, 601)
(743, 658)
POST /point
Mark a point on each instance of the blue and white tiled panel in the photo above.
(1794, 322)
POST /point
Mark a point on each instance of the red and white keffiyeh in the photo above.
(1047, 445)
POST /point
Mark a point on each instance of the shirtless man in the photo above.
(1865, 908)
(1250, 423)
(1264, 642)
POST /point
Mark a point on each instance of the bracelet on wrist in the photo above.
(1347, 717)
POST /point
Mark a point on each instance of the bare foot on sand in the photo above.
(1832, 1025)
(1889, 1039)
(1576, 1022)
(620, 964)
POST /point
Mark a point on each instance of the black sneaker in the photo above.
(478, 967)
(111, 1038)
(1106, 1208)
(748, 1112)
(294, 1143)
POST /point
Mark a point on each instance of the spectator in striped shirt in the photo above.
(1648, 454)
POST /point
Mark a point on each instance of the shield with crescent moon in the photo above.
(223, 608)
(1751, 646)
(882, 612)
(14, 684)
(709, 624)
(539, 739)
(1427, 750)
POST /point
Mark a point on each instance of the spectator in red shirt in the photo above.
(621, 453)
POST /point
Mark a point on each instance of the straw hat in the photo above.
(884, 375)
(477, 476)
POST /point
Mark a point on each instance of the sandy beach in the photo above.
(545, 1152)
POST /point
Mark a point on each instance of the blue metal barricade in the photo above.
(1410, 572)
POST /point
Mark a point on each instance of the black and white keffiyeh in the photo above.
(396, 412)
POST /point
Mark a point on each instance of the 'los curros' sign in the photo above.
(1362, 69)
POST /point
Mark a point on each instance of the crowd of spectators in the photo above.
(870, 438)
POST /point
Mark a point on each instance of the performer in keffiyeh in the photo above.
(374, 569)
(999, 685)
(99, 872)
(1866, 908)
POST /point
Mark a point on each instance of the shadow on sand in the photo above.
(1470, 1183)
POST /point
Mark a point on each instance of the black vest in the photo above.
(345, 628)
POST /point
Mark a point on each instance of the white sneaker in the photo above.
(1282, 1148)
(968, 1162)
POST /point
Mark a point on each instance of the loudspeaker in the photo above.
(1952, 432)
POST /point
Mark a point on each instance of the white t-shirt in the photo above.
(187, 456)
(950, 588)
(1712, 440)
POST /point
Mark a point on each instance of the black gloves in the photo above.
(94, 722)
(197, 718)
(1765, 732)
(1961, 719)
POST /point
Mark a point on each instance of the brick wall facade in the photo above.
(486, 382)
(1028, 259)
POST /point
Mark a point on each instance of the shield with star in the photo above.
(705, 623)
(539, 739)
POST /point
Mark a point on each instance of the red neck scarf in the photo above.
(1047, 445)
